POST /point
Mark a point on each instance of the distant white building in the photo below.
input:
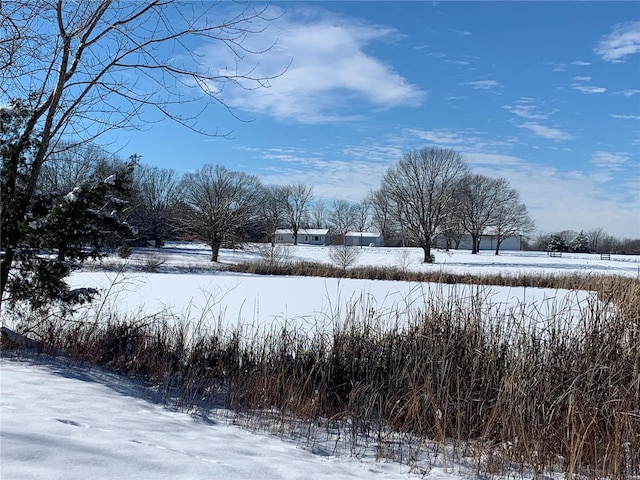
(306, 236)
(363, 239)
(487, 242)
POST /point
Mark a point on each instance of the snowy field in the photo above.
(63, 421)
(180, 255)
(185, 291)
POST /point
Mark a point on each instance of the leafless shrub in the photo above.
(152, 263)
(343, 256)
(273, 256)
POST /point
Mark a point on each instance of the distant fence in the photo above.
(605, 256)
(555, 254)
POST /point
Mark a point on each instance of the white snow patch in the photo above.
(72, 196)
(64, 421)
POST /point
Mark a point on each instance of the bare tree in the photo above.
(342, 218)
(381, 216)
(343, 256)
(422, 186)
(223, 204)
(362, 215)
(299, 197)
(510, 217)
(609, 244)
(159, 191)
(69, 167)
(452, 230)
(477, 200)
(83, 68)
(595, 236)
(319, 214)
(273, 209)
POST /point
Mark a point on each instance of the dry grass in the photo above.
(508, 395)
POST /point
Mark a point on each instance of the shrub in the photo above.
(344, 256)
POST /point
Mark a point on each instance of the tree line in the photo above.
(594, 240)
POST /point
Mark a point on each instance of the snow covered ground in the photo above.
(453, 261)
(63, 421)
(262, 302)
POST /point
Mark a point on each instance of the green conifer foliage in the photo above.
(50, 233)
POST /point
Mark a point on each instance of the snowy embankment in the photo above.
(179, 256)
(62, 421)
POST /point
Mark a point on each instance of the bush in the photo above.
(344, 256)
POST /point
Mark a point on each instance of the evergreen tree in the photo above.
(48, 233)
(557, 243)
(580, 243)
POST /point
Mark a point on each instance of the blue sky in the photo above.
(546, 94)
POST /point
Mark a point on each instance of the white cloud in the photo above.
(561, 200)
(525, 108)
(492, 160)
(609, 160)
(546, 132)
(331, 175)
(463, 141)
(626, 117)
(483, 84)
(624, 40)
(329, 71)
(441, 137)
(580, 63)
(628, 93)
(582, 79)
(374, 152)
(458, 62)
(589, 89)
(460, 33)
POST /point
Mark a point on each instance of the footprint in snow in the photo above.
(72, 422)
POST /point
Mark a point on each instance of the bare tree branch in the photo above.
(83, 68)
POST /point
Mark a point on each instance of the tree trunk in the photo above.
(427, 252)
(498, 242)
(215, 250)
(474, 243)
(7, 260)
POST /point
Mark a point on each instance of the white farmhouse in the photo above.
(488, 241)
(363, 239)
(306, 236)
